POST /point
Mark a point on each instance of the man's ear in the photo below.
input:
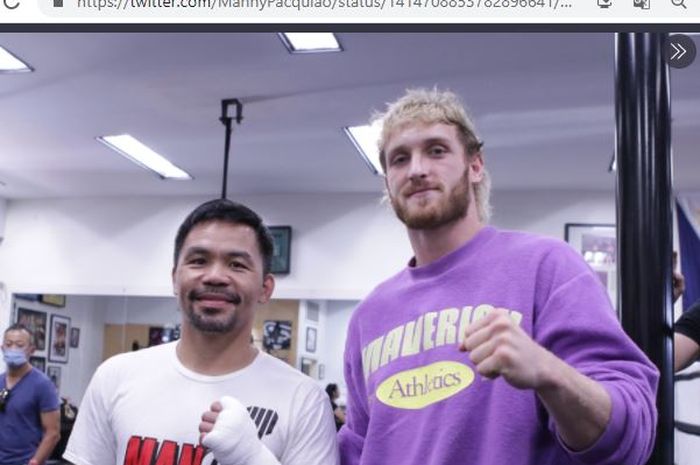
(268, 285)
(476, 167)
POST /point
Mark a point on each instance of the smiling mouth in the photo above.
(214, 302)
(216, 299)
(420, 191)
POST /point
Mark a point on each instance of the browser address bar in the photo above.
(349, 11)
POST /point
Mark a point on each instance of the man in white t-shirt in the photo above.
(145, 407)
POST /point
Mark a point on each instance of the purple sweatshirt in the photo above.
(414, 399)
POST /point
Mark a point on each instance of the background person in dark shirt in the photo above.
(29, 418)
(338, 413)
(686, 331)
(686, 338)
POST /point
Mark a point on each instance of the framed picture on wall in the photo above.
(57, 300)
(311, 339)
(74, 338)
(58, 343)
(35, 321)
(282, 243)
(54, 374)
(277, 335)
(308, 366)
(38, 362)
(597, 243)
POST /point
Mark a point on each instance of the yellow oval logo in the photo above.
(420, 387)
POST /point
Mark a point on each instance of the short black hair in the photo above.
(331, 389)
(231, 212)
(20, 327)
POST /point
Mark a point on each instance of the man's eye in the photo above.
(398, 159)
(437, 150)
(196, 261)
(238, 265)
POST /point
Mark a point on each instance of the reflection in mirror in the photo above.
(74, 334)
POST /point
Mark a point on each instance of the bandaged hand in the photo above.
(229, 432)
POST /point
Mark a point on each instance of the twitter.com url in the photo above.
(320, 6)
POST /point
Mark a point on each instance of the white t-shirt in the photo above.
(145, 408)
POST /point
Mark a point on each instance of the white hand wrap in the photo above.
(234, 439)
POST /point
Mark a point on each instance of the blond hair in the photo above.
(430, 107)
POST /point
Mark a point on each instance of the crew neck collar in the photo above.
(447, 261)
(188, 373)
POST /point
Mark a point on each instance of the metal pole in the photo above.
(642, 110)
(226, 120)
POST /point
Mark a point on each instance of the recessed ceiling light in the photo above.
(365, 139)
(11, 64)
(137, 152)
(310, 42)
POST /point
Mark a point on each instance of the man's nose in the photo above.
(418, 167)
(217, 273)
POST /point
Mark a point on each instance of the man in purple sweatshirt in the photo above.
(491, 347)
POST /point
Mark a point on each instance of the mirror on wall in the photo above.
(74, 334)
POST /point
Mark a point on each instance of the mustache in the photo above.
(232, 297)
(419, 185)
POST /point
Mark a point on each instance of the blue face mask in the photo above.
(14, 357)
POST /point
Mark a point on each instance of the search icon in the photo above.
(679, 3)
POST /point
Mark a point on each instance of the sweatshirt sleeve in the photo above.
(575, 320)
(351, 436)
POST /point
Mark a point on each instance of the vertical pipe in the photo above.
(643, 151)
(227, 148)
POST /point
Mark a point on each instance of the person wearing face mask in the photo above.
(29, 415)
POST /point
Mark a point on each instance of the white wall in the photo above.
(321, 335)
(3, 209)
(116, 246)
(339, 313)
(124, 246)
(332, 332)
(138, 310)
(87, 313)
(546, 212)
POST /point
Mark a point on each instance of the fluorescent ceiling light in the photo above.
(310, 42)
(11, 64)
(131, 148)
(365, 139)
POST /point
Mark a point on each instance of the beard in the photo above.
(210, 320)
(445, 210)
